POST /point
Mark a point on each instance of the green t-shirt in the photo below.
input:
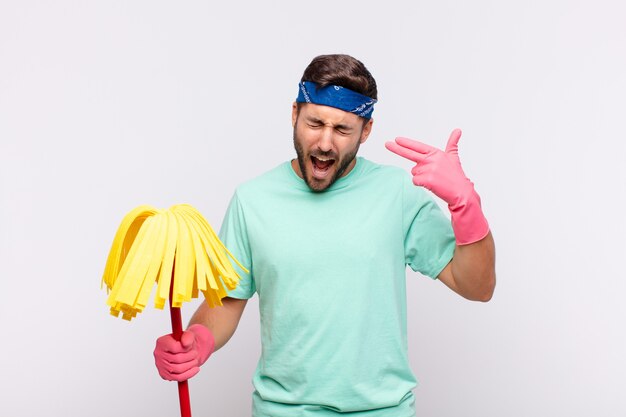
(329, 270)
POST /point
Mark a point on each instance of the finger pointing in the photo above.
(405, 152)
(415, 145)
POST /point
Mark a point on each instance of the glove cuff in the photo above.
(468, 221)
(204, 341)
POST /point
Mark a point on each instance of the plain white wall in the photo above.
(108, 105)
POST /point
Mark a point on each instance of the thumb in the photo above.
(187, 339)
(453, 142)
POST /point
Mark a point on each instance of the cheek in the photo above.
(348, 145)
(306, 137)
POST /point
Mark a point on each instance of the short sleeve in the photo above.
(429, 241)
(233, 234)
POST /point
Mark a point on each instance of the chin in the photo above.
(318, 185)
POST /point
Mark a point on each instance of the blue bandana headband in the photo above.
(338, 97)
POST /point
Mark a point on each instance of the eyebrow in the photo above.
(313, 119)
(343, 127)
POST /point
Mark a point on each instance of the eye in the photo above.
(313, 125)
(343, 132)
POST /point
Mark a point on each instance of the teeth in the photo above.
(323, 159)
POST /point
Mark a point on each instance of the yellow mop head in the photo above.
(150, 244)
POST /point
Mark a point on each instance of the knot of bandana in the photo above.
(336, 96)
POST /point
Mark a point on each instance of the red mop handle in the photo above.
(177, 332)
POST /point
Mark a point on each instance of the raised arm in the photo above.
(471, 273)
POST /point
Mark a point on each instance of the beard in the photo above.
(342, 163)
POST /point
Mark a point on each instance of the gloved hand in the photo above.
(180, 360)
(441, 173)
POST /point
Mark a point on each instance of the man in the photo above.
(326, 238)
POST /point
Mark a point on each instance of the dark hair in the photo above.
(342, 70)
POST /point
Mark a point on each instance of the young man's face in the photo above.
(326, 141)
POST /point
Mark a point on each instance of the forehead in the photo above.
(327, 114)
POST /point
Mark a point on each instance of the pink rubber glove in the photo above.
(441, 173)
(179, 361)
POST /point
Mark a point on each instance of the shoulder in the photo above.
(374, 168)
(386, 174)
(266, 185)
(264, 182)
(393, 180)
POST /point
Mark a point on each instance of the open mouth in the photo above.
(321, 166)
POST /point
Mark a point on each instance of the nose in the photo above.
(325, 142)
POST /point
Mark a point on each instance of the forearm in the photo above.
(221, 321)
(473, 269)
(471, 273)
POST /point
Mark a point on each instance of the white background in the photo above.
(108, 105)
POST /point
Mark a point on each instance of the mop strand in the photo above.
(146, 246)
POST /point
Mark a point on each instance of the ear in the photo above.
(294, 114)
(367, 129)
